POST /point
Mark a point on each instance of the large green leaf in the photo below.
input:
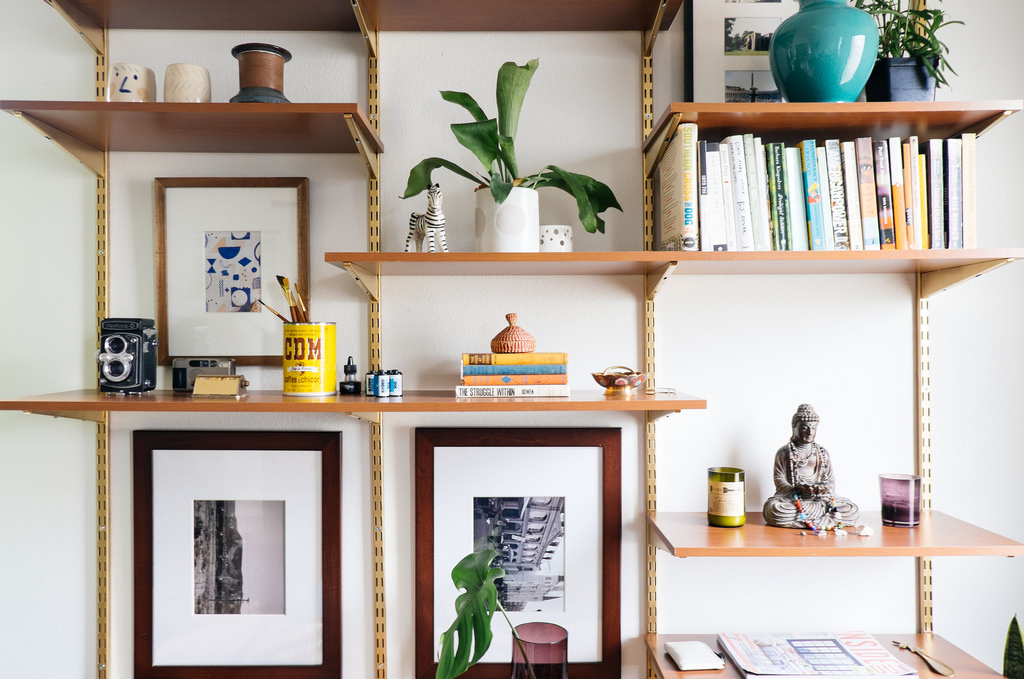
(481, 138)
(419, 176)
(465, 101)
(513, 81)
(592, 197)
(469, 637)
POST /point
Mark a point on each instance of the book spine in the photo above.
(797, 205)
(785, 206)
(836, 194)
(826, 199)
(712, 207)
(899, 198)
(670, 196)
(911, 167)
(936, 195)
(968, 174)
(500, 380)
(531, 357)
(740, 193)
(725, 156)
(462, 391)
(511, 369)
(773, 170)
(848, 151)
(688, 132)
(812, 194)
(883, 191)
(954, 194)
(923, 229)
(868, 195)
(763, 238)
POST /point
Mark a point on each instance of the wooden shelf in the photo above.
(385, 15)
(90, 404)
(87, 129)
(686, 534)
(696, 263)
(966, 666)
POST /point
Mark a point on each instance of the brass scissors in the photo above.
(936, 665)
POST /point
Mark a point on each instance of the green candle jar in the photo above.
(726, 497)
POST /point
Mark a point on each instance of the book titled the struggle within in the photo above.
(785, 655)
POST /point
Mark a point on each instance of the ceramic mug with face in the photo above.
(187, 83)
(131, 82)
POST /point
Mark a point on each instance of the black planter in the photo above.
(900, 79)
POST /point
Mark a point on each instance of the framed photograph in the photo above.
(237, 554)
(727, 49)
(551, 501)
(221, 243)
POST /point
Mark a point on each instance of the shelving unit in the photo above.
(91, 130)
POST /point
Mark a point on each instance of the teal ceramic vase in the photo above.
(824, 52)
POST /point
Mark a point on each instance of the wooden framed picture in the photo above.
(551, 499)
(726, 45)
(221, 242)
(237, 554)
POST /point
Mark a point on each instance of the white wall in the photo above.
(755, 347)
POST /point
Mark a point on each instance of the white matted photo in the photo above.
(727, 51)
(221, 243)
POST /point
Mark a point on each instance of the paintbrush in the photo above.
(292, 307)
(272, 310)
(302, 305)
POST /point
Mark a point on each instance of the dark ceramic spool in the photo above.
(260, 72)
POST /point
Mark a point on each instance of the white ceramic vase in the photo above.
(131, 82)
(513, 226)
(187, 83)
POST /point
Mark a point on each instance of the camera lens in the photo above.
(118, 369)
(115, 344)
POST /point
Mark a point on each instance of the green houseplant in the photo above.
(908, 35)
(466, 641)
(1013, 653)
(492, 141)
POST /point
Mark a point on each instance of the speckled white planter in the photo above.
(556, 238)
(513, 226)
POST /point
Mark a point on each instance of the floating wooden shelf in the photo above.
(87, 129)
(966, 666)
(90, 404)
(687, 534)
(385, 15)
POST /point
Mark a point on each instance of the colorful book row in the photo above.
(862, 194)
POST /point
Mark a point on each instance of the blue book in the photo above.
(812, 194)
(514, 369)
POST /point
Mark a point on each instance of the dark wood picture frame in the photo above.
(145, 444)
(297, 272)
(610, 442)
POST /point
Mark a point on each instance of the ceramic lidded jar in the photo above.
(824, 52)
(260, 73)
(513, 339)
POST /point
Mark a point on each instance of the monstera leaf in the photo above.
(1013, 656)
(469, 637)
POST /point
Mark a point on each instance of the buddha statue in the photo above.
(804, 483)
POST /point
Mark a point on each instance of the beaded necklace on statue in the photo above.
(794, 467)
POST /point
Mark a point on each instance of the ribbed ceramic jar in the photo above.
(824, 52)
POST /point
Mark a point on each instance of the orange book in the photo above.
(899, 196)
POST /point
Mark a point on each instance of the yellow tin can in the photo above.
(310, 365)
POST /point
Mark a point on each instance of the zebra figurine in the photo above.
(429, 224)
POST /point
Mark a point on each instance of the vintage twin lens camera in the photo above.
(185, 370)
(127, 355)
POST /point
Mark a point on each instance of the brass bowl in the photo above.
(619, 379)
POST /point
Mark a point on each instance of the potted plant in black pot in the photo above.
(911, 58)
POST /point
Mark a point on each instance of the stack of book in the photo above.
(749, 194)
(522, 374)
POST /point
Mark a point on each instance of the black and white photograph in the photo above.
(752, 87)
(528, 534)
(239, 557)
